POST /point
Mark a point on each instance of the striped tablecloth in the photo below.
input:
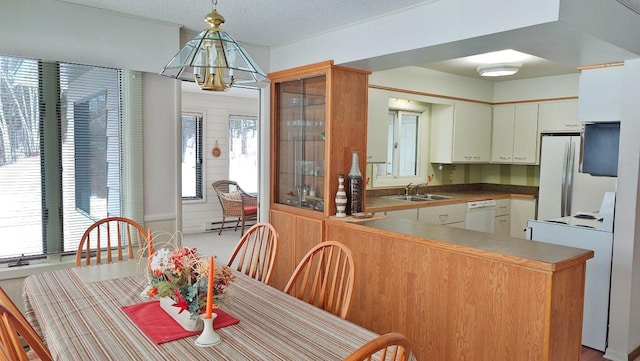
(85, 321)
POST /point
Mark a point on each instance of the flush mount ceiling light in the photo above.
(498, 69)
(214, 60)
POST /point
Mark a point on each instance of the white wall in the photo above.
(624, 318)
(216, 109)
(536, 88)
(55, 30)
(399, 39)
(161, 129)
(434, 82)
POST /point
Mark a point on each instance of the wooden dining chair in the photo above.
(13, 332)
(256, 252)
(8, 303)
(389, 347)
(235, 203)
(109, 234)
(324, 278)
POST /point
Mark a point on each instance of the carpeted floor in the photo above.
(210, 243)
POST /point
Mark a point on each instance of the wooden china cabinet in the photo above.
(318, 118)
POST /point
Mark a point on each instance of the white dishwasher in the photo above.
(481, 216)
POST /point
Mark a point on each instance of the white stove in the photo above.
(586, 234)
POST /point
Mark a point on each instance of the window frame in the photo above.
(201, 162)
(51, 132)
(257, 139)
(422, 109)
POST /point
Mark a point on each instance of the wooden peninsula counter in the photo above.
(465, 295)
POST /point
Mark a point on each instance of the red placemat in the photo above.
(161, 328)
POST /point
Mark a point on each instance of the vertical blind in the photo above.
(62, 135)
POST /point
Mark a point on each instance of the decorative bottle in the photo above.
(341, 198)
(356, 187)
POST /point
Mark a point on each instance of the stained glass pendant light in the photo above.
(214, 60)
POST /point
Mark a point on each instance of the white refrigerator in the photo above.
(564, 191)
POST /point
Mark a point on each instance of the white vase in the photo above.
(341, 198)
(184, 318)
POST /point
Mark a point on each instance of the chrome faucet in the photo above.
(416, 189)
(407, 189)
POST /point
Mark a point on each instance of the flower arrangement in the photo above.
(182, 275)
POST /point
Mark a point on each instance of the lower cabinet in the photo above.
(503, 210)
(502, 225)
(411, 214)
(450, 214)
(521, 211)
(296, 235)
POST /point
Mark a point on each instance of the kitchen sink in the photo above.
(420, 198)
(436, 197)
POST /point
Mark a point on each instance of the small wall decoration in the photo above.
(216, 150)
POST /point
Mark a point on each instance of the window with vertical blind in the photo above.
(191, 156)
(62, 165)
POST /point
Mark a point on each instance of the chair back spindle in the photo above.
(256, 252)
(325, 277)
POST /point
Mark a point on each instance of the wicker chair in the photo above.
(235, 203)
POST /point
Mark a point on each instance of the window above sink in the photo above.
(405, 125)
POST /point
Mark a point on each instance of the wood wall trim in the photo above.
(301, 71)
(598, 66)
(373, 86)
(536, 100)
(434, 95)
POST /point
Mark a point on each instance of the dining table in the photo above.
(79, 313)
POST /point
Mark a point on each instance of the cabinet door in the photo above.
(377, 129)
(502, 133)
(285, 224)
(525, 133)
(300, 140)
(296, 235)
(471, 133)
(559, 115)
(503, 207)
(441, 134)
(411, 214)
(600, 94)
(521, 210)
(446, 215)
(502, 225)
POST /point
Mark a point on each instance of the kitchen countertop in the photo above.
(383, 203)
(485, 245)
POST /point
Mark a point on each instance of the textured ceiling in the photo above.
(257, 22)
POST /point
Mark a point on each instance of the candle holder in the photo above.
(208, 337)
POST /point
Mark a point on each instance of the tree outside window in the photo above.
(243, 152)
(191, 156)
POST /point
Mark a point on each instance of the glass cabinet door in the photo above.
(300, 147)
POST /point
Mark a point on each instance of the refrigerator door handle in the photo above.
(565, 175)
(570, 169)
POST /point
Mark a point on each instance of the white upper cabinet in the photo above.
(502, 135)
(525, 134)
(377, 129)
(514, 136)
(600, 94)
(559, 116)
(461, 133)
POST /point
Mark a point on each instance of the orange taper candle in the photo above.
(210, 288)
